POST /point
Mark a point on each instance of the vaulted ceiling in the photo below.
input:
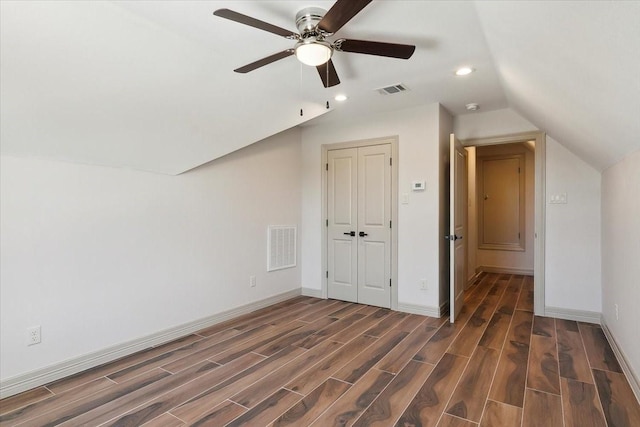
(150, 85)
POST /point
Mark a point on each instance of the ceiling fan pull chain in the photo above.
(328, 82)
(300, 89)
(328, 105)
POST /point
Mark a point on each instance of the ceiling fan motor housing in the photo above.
(307, 19)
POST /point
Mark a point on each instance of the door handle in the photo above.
(362, 234)
(351, 233)
(452, 238)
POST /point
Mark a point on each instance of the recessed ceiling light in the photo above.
(472, 107)
(340, 97)
(463, 71)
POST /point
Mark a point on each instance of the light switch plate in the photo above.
(560, 198)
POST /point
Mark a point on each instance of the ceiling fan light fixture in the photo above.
(463, 71)
(340, 97)
(313, 52)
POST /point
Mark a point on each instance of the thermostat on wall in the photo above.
(418, 185)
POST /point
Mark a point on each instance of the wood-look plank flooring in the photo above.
(317, 362)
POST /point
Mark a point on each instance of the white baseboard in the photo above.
(505, 270)
(623, 360)
(308, 292)
(422, 310)
(39, 377)
(571, 314)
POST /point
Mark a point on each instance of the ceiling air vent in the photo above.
(390, 90)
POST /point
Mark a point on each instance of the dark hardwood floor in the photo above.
(319, 362)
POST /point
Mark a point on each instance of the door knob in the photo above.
(452, 237)
(351, 233)
(362, 234)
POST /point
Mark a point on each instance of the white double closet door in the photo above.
(359, 224)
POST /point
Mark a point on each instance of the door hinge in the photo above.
(326, 166)
(389, 224)
(389, 282)
(518, 235)
(390, 161)
(327, 223)
(327, 274)
(518, 169)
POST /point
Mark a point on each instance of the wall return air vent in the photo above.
(281, 247)
(390, 90)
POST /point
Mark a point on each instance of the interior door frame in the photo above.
(540, 203)
(393, 140)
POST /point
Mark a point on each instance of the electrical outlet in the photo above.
(252, 281)
(616, 307)
(33, 335)
(423, 284)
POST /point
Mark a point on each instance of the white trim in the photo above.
(39, 377)
(422, 310)
(571, 314)
(505, 270)
(309, 292)
(622, 360)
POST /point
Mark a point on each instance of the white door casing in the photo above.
(359, 203)
(457, 225)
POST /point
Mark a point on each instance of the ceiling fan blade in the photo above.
(392, 50)
(328, 74)
(264, 61)
(256, 23)
(341, 13)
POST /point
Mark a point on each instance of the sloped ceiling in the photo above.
(572, 69)
(149, 85)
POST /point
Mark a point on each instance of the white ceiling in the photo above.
(149, 84)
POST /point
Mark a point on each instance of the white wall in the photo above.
(490, 123)
(572, 267)
(472, 214)
(99, 256)
(418, 222)
(621, 255)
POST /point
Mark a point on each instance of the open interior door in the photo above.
(457, 226)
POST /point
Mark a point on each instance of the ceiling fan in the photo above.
(315, 25)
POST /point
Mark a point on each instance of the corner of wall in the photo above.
(620, 233)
